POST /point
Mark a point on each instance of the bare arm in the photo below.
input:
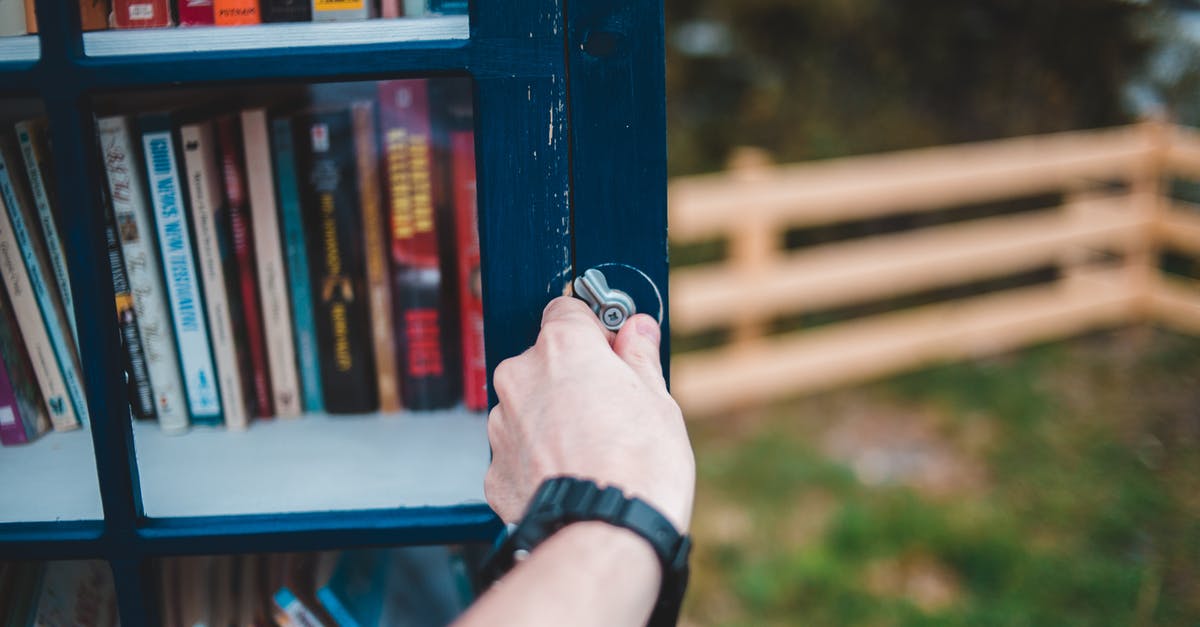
(586, 403)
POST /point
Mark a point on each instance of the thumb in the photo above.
(637, 345)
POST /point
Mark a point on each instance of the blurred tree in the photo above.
(810, 79)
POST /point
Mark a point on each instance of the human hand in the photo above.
(589, 403)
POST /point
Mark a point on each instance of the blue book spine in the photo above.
(179, 269)
(51, 312)
(292, 227)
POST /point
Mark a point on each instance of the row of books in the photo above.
(269, 262)
(57, 594)
(415, 586)
(18, 17)
(41, 384)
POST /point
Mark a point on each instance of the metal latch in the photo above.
(613, 306)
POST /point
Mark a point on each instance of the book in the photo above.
(195, 12)
(414, 8)
(245, 285)
(204, 193)
(94, 14)
(339, 10)
(272, 275)
(470, 284)
(31, 134)
(31, 26)
(417, 283)
(135, 227)
(137, 373)
(399, 586)
(324, 142)
(77, 594)
(167, 194)
(295, 596)
(235, 12)
(379, 291)
(12, 17)
(195, 582)
(389, 9)
(23, 415)
(448, 7)
(44, 321)
(141, 14)
(286, 10)
(292, 222)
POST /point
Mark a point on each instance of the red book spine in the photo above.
(141, 13)
(195, 12)
(470, 284)
(233, 174)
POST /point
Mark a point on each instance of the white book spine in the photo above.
(12, 17)
(32, 253)
(135, 228)
(32, 329)
(31, 134)
(183, 287)
(272, 274)
(204, 191)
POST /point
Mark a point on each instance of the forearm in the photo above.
(588, 573)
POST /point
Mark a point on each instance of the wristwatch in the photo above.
(561, 501)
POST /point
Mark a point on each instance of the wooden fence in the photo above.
(1113, 186)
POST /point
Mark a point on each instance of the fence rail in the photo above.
(1111, 182)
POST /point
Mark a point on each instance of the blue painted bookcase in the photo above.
(571, 153)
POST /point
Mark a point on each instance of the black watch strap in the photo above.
(561, 501)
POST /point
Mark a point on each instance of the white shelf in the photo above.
(108, 43)
(21, 48)
(315, 463)
(51, 479)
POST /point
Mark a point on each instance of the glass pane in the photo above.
(18, 23)
(58, 593)
(305, 275)
(171, 26)
(385, 586)
(47, 464)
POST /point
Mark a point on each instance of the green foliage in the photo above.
(1078, 522)
(825, 78)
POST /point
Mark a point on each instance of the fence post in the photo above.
(752, 241)
(1148, 191)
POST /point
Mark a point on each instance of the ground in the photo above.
(1059, 485)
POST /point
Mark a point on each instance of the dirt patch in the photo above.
(922, 580)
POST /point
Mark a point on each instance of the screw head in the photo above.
(612, 317)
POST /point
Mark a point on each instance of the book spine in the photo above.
(21, 375)
(32, 137)
(12, 18)
(379, 291)
(286, 10)
(195, 12)
(94, 14)
(137, 375)
(414, 8)
(470, 286)
(325, 149)
(31, 26)
(179, 268)
(294, 611)
(272, 276)
(235, 12)
(303, 325)
(389, 9)
(12, 423)
(417, 285)
(339, 10)
(54, 323)
(135, 227)
(141, 14)
(243, 251)
(204, 190)
(32, 329)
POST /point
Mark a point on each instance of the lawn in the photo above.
(1054, 486)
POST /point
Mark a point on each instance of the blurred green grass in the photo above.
(1073, 497)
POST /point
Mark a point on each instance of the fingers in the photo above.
(572, 316)
(637, 345)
